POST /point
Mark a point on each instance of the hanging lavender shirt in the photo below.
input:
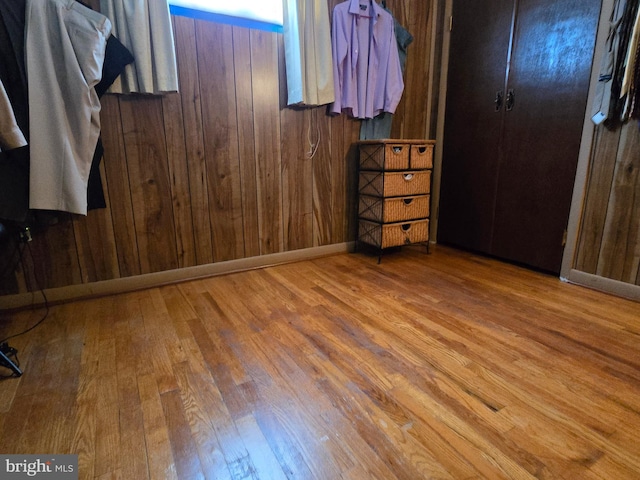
(366, 71)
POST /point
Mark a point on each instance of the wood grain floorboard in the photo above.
(440, 366)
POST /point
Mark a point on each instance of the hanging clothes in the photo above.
(380, 126)
(602, 100)
(626, 91)
(626, 30)
(634, 92)
(14, 163)
(64, 51)
(308, 57)
(12, 65)
(10, 134)
(144, 27)
(367, 72)
(116, 58)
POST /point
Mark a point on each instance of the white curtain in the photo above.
(144, 27)
(308, 57)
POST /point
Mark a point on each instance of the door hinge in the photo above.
(564, 237)
(450, 23)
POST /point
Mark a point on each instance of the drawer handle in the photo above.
(408, 177)
(407, 201)
(421, 150)
(406, 227)
(396, 150)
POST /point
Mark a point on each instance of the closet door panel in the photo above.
(477, 65)
(549, 77)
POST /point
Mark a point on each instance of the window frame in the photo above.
(224, 18)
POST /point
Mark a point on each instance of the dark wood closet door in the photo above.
(477, 65)
(507, 176)
(551, 64)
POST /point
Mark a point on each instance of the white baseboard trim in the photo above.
(150, 280)
(607, 285)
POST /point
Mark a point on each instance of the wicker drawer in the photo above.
(396, 155)
(395, 209)
(421, 156)
(395, 184)
(393, 234)
(385, 156)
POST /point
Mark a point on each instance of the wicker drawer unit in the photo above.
(394, 186)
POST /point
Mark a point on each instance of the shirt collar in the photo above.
(354, 8)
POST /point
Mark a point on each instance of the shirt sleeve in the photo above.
(339, 47)
(394, 83)
(10, 134)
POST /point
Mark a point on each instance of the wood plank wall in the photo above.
(609, 241)
(221, 170)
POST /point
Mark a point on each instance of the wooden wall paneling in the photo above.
(350, 185)
(266, 102)
(630, 186)
(218, 98)
(149, 180)
(599, 182)
(345, 132)
(117, 187)
(189, 84)
(10, 269)
(216, 172)
(323, 202)
(339, 150)
(246, 144)
(179, 179)
(297, 167)
(96, 241)
(297, 177)
(415, 16)
(436, 63)
(51, 259)
(621, 236)
(30, 268)
(399, 119)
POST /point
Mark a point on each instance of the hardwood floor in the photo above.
(446, 366)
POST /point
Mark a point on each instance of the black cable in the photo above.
(39, 286)
(16, 361)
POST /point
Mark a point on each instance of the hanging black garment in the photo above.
(635, 89)
(116, 57)
(12, 67)
(14, 164)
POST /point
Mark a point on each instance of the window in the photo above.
(263, 14)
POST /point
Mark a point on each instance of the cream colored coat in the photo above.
(64, 50)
